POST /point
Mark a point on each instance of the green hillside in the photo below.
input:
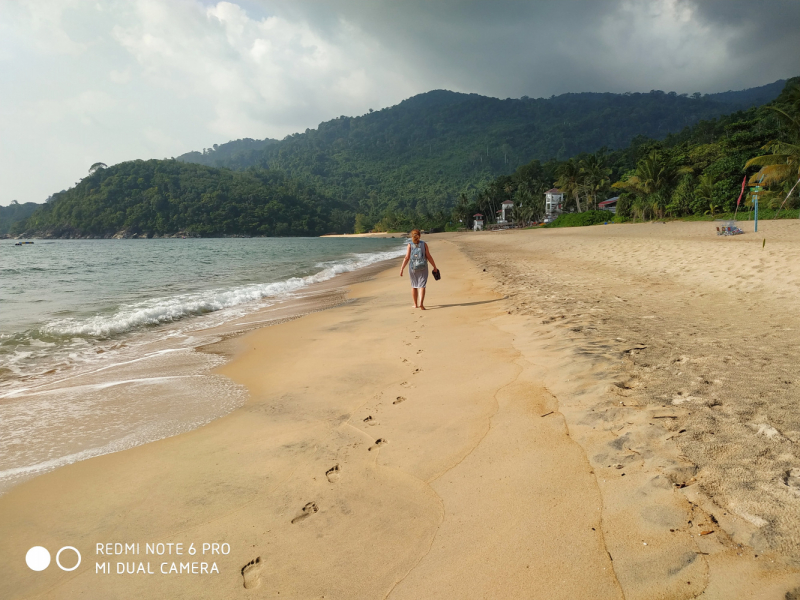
(437, 158)
(158, 197)
(695, 172)
(14, 213)
(418, 156)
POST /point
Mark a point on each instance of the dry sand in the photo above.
(603, 412)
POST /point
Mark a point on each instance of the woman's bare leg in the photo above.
(422, 298)
(414, 296)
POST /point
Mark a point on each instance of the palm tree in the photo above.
(705, 189)
(650, 182)
(461, 209)
(783, 161)
(595, 176)
(569, 180)
(654, 173)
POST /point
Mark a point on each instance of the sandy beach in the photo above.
(598, 412)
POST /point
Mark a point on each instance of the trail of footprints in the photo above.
(251, 572)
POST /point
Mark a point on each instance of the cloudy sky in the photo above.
(86, 81)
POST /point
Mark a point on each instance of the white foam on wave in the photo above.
(125, 443)
(47, 429)
(156, 311)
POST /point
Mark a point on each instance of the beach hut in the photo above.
(553, 204)
(609, 205)
(505, 206)
(478, 225)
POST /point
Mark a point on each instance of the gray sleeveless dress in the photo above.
(419, 277)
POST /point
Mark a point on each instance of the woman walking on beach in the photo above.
(419, 256)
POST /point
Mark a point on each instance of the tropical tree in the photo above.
(782, 163)
(595, 176)
(654, 173)
(529, 201)
(569, 180)
(704, 192)
(650, 182)
(96, 167)
(682, 196)
(462, 210)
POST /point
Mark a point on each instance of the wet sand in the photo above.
(543, 430)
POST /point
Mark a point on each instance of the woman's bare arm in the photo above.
(428, 256)
(405, 260)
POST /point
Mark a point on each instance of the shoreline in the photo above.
(364, 235)
(470, 450)
(313, 470)
(178, 367)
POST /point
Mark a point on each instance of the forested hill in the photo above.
(420, 154)
(696, 172)
(162, 197)
(229, 152)
(15, 212)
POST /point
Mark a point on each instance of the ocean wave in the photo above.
(157, 311)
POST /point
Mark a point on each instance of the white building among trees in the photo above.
(507, 205)
(553, 203)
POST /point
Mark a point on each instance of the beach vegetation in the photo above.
(589, 217)
(696, 173)
(780, 165)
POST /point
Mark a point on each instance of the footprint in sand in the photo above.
(378, 443)
(791, 479)
(420, 351)
(405, 384)
(399, 400)
(370, 420)
(333, 473)
(251, 573)
(308, 510)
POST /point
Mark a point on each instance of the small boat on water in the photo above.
(22, 243)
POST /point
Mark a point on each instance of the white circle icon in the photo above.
(38, 558)
(58, 556)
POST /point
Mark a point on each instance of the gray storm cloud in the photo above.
(510, 48)
(118, 80)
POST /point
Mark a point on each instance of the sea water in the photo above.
(98, 337)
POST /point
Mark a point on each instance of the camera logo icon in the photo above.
(38, 558)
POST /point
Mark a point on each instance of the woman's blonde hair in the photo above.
(415, 233)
